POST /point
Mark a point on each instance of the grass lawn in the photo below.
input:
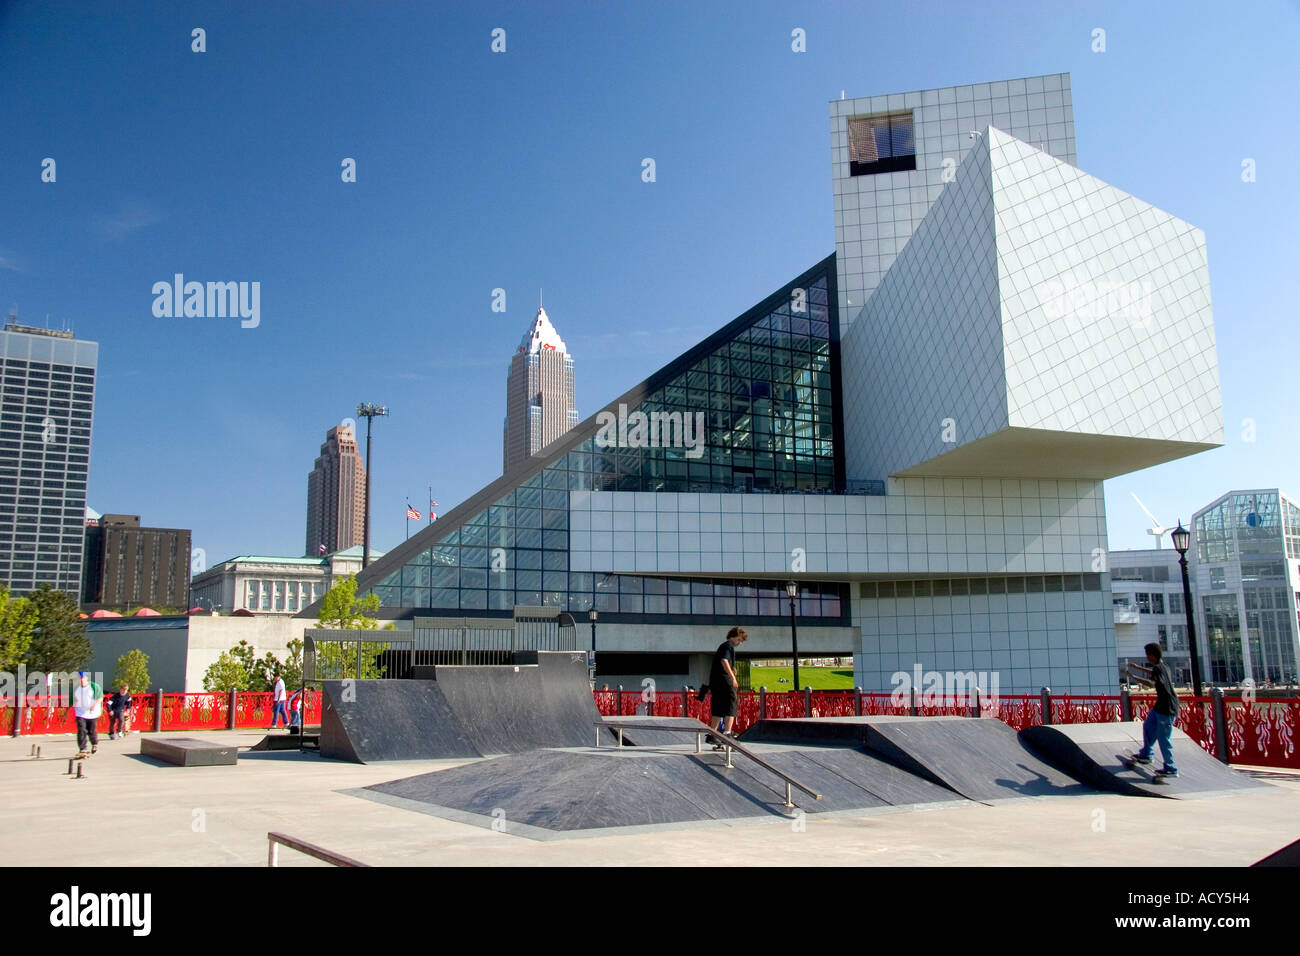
(818, 678)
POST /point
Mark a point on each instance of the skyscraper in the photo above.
(47, 385)
(539, 393)
(336, 494)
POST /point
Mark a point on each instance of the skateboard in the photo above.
(1129, 759)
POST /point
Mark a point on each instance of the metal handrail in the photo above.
(302, 846)
(684, 724)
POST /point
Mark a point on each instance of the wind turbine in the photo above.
(1156, 528)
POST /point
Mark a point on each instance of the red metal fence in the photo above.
(209, 710)
(1261, 732)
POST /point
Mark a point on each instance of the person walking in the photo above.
(723, 685)
(1159, 725)
(119, 708)
(278, 700)
(87, 705)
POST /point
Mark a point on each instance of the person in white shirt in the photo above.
(87, 705)
(279, 700)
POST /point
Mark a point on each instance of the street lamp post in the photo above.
(792, 589)
(368, 412)
(1182, 539)
(591, 616)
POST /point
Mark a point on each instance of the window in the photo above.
(881, 144)
(1157, 603)
(1143, 602)
(1217, 579)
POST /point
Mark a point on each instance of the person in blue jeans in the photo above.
(279, 700)
(1159, 725)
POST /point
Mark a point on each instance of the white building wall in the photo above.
(923, 526)
(876, 215)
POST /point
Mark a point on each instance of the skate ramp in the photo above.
(545, 794)
(1094, 754)
(980, 758)
(466, 711)
(370, 720)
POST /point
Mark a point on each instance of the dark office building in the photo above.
(128, 565)
(47, 394)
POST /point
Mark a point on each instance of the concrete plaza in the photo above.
(131, 810)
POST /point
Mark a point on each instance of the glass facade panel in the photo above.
(753, 412)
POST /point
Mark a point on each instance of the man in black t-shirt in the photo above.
(722, 681)
(1159, 725)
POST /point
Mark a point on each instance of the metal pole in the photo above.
(794, 642)
(365, 553)
(1191, 626)
(1220, 707)
(1045, 703)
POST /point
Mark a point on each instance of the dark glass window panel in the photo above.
(528, 559)
(474, 578)
(529, 598)
(555, 581)
(555, 560)
(528, 538)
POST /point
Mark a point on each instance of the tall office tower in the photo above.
(539, 393)
(336, 495)
(47, 385)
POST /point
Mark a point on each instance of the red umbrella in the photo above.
(146, 612)
(103, 613)
(198, 610)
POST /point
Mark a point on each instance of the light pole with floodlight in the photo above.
(368, 412)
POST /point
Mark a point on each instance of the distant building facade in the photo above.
(539, 393)
(47, 390)
(1244, 574)
(127, 565)
(1245, 565)
(336, 495)
(263, 584)
(1146, 589)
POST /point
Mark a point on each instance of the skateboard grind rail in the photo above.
(700, 729)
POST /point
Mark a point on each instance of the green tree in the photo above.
(17, 621)
(133, 671)
(228, 673)
(341, 609)
(59, 641)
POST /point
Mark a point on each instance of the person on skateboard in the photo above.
(1159, 725)
(723, 684)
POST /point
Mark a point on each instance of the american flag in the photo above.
(412, 513)
(432, 505)
(322, 549)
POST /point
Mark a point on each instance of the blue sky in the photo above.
(521, 171)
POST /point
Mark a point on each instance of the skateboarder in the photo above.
(119, 708)
(1159, 725)
(723, 684)
(87, 705)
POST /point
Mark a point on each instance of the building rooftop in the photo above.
(541, 335)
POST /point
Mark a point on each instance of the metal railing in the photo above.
(275, 840)
(701, 730)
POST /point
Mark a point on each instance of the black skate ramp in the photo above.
(546, 794)
(370, 720)
(980, 758)
(466, 711)
(1095, 754)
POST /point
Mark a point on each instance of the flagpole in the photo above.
(408, 520)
